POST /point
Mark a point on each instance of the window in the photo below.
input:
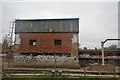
(57, 42)
(50, 30)
(33, 42)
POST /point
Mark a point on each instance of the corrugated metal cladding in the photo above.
(47, 25)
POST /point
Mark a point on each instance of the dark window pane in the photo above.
(57, 42)
(33, 42)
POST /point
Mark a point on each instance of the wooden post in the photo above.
(84, 69)
(114, 70)
(35, 67)
(55, 63)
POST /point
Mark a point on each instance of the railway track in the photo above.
(80, 72)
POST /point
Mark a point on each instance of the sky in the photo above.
(97, 20)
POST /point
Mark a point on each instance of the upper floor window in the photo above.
(57, 42)
(33, 42)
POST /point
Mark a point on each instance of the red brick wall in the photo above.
(45, 42)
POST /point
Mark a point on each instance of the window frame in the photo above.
(33, 42)
(57, 42)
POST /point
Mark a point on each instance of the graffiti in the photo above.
(42, 58)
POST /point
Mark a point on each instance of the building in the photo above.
(47, 36)
(98, 52)
(88, 57)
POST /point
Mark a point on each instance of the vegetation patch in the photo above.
(56, 77)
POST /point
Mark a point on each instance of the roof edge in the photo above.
(46, 19)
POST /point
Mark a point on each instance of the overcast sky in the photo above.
(97, 20)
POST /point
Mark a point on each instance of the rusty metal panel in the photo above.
(44, 25)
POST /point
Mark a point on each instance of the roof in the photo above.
(99, 50)
(47, 25)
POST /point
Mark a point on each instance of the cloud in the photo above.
(0, 14)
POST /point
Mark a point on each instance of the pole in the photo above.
(11, 34)
(55, 63)
(35, 66)
(84, 68)
(114, 71)
(102, 45)
(3, 64)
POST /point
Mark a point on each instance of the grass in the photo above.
(41, 76)
(51, 77)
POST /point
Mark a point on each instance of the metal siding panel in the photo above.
(60, 26)
(40, 26)
(70, 26)
(75, 24)
(44, 25)
(75, 27)
(46, 28)
(54, 26)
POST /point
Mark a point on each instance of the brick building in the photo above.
(47, 36)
